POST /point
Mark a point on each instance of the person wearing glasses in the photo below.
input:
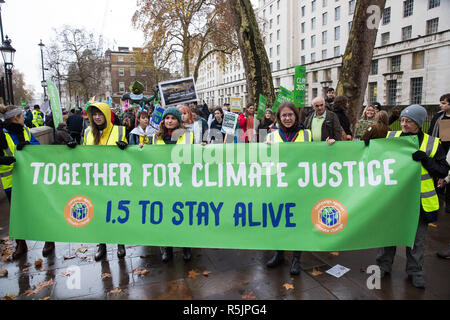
(324, 124)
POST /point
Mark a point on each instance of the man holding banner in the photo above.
(434, 165)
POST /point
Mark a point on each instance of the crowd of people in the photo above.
(326, 121)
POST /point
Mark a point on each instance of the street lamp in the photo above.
(40, 44)
(8, 58)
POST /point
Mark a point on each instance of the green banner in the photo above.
(53, 96)
(282, 96)
(262, 103)
(299, 86)
(288, 196)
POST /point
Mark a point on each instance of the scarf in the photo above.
(289, 135)
(16, 129)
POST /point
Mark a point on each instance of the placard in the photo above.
(179, 91)
(236, 105)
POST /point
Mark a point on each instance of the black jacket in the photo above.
(74, 123)
(434, 131)
(343, 120)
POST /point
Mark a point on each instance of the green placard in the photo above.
(300, 86)
(288, 196)
(262, 103)
(53, 95)
(282, 96)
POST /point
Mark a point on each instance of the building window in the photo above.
(313, 23)
(303, 11)
(278, 65)
(416, 90)
(313, 6)
(264, 27)
(278, 4)
(350, 26)
(337, 33)
(327, 74)
(303, 44)
(131, 59)
(278, 50)
(324, 18)
(324, 37)
(278, 34)
(121, 86)
(386, 15)
(270, 38)
(133, 72)
(384, 38)
(324, 3)
(337, 51)
(120, 59)
(271, 23)
(121, 72)
(408, 8)
(270, 9)
(372, 92)
(374, 67)
(264, 13)
(313, 41)
(314, 93)
(433, 3)
(270, 52)
(278, 19)
(406, 33)
(313, 57)
(303, 60)
(418, 60)
(303, 27)
(351, 7)
(324, 54)
(392, 92)
(396, 62)
(271, 66)
(432, 25)
(337, 13)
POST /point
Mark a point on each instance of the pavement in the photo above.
(212, 274)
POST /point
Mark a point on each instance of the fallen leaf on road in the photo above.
(25, 269)
(4, 272)
(334, 253)
(249, 296)
(82, 249)
(40, 286)
(432, 225)
(106, 275)
(66, 274)
(193, 274)
(315, 272)
(206, 273)
(38, 263)
(10, 296)
(69, 257)
(7, 298)
(116, 290)
(137, 271)
(46, 298)
(144, 272)
(288, 286)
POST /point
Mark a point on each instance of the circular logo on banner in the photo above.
(329, 216)
(79, 211)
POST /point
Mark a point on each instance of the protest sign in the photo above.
(236, 105)
(262, 103)
(229, 123)
(177, 91)
(282, 96)
(299, 86)
(55, 104)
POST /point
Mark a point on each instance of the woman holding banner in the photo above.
(142, 133)
(172, 131)
(102, 132)
(289, 130)
(15, 135)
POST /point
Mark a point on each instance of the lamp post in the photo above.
(8, 58)
(43, 83)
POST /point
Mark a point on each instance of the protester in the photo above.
(248, 124)
(28, 117)
(143, 132)
(38, 117)
(380, 128)
(172, 131)
(62, 136)
(75, 125)
(445, 183)
(290, 130)
(324, 124)
(15, 135)
(200, 127)
(367, 120)
(340, 107)
(186, 117)
(226, 107)
(329, 100)
(434, 165)
(128, 120)
(102, 132)
(267, 121)
(216, 127)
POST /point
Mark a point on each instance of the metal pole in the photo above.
(11, 97)
(43, 75)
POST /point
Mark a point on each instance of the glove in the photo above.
(122, 145)
(71, 144)
(7, 160)
(366, 142)
(419, 156)
(21, 145)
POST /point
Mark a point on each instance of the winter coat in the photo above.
(330, 128)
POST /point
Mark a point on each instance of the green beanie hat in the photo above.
(173, 111)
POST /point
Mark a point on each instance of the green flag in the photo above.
(299, 86)
(282, 96)
(53, 95)
(288, 196)
(262, 102)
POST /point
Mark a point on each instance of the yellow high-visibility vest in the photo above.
(37, 118)
(6, 170)
(116, 134)
(181, 140)
(428, 196)
(303, 135)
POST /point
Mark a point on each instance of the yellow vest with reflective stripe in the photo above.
(428, 196)
(6, 170)
(181, 139)
(37, 119)
(117, 133)
(303, 135)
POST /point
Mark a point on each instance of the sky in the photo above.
(26, 22)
